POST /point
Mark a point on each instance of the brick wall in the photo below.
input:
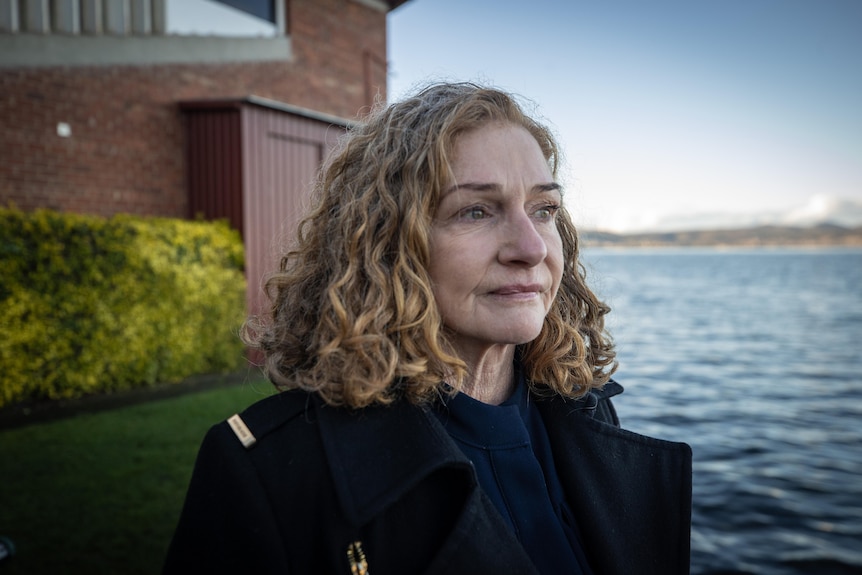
(126, 149)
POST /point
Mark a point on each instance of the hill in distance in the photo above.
(821, 235)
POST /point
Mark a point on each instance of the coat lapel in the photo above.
(380, 453)
(626, 490)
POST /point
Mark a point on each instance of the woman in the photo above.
(445, 377)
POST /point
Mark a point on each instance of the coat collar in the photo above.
(590, 402)
(378, 453)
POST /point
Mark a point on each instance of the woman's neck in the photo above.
(491, 376)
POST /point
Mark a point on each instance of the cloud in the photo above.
(823, 208)
(819, 209)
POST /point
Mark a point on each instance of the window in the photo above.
(237, 18)
(91, 32)
(263, 9)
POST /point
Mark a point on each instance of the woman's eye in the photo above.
(474, 213)
(547, 212)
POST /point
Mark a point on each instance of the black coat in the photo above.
(320, 478)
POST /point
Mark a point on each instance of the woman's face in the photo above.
(496, 254)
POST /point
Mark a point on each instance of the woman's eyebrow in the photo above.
(549, 187)
(473, 187)
(491, 187)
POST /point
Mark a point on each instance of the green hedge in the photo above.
(90, 305)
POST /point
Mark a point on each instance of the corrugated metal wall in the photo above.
(254, 165)
(281, 157)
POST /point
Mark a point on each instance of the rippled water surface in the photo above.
(754, 358)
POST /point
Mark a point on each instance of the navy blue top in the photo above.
(510, 449)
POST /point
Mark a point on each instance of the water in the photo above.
(754, 358)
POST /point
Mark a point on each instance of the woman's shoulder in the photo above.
(595, 404)
(268, 415)
(289, 415)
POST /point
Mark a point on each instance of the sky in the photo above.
(670, 113)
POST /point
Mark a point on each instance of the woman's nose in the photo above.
(521, 243)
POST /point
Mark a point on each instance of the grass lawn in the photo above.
(101, 492)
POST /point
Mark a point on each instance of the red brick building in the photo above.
(183, 108)
(90, 90)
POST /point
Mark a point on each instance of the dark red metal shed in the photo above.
(252, 161)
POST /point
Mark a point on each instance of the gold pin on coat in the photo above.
(241, 430)
(356, 558)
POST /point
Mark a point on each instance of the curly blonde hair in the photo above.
(353, 317)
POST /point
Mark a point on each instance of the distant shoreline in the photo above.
(824, 235)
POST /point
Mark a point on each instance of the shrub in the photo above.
(95, 305)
